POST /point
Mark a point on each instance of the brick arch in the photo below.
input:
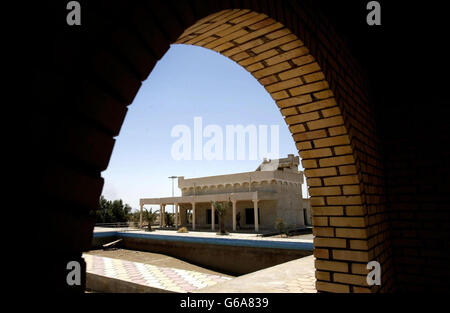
(284, 65)
(318, 86)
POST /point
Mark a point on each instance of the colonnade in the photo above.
(162, 215)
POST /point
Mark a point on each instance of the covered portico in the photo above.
(234, 198)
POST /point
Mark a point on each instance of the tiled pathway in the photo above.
(297, 276)
(170, 279)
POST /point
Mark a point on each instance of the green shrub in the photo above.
(221, 208)
(280, 226)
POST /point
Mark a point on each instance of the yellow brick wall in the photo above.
(325, 115)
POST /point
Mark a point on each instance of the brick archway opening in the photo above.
(284, 65)
(307, 70)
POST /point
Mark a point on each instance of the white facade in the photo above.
(273, 190)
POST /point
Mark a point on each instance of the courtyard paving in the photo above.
(163, 278)
(152, 258)
(296, 276)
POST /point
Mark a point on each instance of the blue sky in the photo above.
(188, 82)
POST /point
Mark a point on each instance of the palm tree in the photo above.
(150, 217)
(221, 208)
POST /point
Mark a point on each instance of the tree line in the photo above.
(115, 211)
(112, 211)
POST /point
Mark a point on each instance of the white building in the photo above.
(272, 191)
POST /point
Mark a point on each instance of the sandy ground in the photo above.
(153, 259)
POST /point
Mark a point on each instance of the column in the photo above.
(140, 215)
(161, 215)
(234, 214)
(255, 209)
(182, 216)
(176, 215)
(212, 217)
(193, 215)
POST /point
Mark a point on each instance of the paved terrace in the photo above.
(157, 278)
(291, 277)
(296, 276)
